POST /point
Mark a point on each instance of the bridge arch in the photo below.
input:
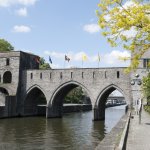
(99, 108)
(35, 86)
(35, 102)
(3, 94)
(56, 101)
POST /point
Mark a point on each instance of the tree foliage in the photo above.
(127, 23)
(146, 87)
(5, 46)
(74, 96)
(43, 64)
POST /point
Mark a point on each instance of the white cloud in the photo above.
(107, 59)
(129, 4)
(130, 33)
(26, 2)
(22, 12)
(8, 3)
(91, 28)
(21, 28)
(73, 56)
(113, 58)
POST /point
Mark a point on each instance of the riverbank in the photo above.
(116, 139)
(138, 136)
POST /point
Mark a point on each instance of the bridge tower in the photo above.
(136, 77)
(12, 65)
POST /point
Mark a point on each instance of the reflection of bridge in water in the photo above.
(27, 89)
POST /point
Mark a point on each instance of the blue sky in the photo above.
(55, 28)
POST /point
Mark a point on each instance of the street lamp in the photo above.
(136, 80)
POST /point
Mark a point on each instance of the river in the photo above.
(75, 131)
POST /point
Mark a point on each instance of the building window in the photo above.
(31, 75)
(71, 74)
(118, 74)
(7, 77)
(40, 75)
(82, 74)
(146, 63)
(61, 75)
(93, 75)
(7, 61)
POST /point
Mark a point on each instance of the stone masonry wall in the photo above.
(94, 81)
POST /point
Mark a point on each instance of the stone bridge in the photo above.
(24, 88)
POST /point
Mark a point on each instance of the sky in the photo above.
(57, 28)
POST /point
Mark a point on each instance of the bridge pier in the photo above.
(99, 114)
(53, 112)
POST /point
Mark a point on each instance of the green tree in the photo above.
(118, 18)
(5, 46)
(74, 96)
(43, 64)
(146, 87)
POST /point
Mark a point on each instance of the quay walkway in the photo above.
(139, 132)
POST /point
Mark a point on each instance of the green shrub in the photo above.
(147, 108)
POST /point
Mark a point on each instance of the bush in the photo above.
(147, 108)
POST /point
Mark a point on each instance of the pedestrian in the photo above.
(140, 109)
(138, 106)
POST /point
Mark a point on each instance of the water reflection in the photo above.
(72, 132)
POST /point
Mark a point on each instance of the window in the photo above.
(71, 74)
(146, 63)
(82, 74)
(61, 75)
(93, 75)
(118, 74)
(7, 61)
(31, 75)
(7, 77)
(40, 75)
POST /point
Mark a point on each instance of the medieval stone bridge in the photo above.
(98, 83)
(23, 86)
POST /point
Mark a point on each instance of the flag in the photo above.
(37, 59)
(50, 60)
(67, 58)
(84, 57)
(99, 57)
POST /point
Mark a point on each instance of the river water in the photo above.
(75, 131)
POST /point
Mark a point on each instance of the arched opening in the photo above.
(7, 77)
(69, 98)
(3, 94)
(35, 103)
(109, 97)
